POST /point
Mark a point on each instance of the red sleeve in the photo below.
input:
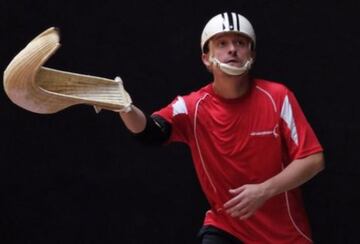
(298, 135)
(176, 113)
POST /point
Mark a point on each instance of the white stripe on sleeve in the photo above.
(179, 107)
(288, 117)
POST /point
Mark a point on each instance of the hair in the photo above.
(206, 44)
(206, 47)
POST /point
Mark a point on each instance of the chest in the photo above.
(233, 121)
(240, 136)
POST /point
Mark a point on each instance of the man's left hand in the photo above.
(246, 200)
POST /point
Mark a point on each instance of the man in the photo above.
(251, 145)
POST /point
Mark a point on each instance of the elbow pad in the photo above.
(157, 131)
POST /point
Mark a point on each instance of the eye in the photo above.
(222, 43)
(240, 43)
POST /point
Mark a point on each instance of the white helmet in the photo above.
(227, 22)
(233, 23)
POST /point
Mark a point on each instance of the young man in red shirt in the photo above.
(251, 144)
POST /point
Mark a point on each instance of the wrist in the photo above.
(268, 189)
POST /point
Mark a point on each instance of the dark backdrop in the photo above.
(79, 177)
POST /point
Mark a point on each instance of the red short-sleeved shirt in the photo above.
(242, 141)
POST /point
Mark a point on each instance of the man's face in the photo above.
(231, 48)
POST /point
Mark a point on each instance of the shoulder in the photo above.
(185, 104)
(273, 87)
(277, 92)
(194, 96)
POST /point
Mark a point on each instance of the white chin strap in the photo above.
(232, 70)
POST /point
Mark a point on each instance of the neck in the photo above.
(230, 87)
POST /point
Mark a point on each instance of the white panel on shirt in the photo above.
(288, 117)
(179, 107)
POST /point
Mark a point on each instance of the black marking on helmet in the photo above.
(223, 23)
(231, 21)
(238, 21)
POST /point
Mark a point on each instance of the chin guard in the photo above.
(232, 70)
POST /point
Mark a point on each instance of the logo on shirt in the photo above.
(273, 132)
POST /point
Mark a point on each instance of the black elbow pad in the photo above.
(157, 131)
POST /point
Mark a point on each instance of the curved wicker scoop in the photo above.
(43, 90)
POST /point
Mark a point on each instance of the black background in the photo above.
(79, 177)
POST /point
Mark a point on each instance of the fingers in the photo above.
(237, 190)
(244, 203)
(232, 202)
(238, 210)
(242, 211)
(235, 199)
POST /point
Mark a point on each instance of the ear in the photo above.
(205, 59)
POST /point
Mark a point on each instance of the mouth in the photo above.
(233, 62)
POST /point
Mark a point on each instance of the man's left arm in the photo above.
(248, 198)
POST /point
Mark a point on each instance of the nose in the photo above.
(232, 49)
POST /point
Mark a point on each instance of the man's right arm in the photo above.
(134, 120)
(150, 130)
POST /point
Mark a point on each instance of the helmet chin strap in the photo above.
(232, 70)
